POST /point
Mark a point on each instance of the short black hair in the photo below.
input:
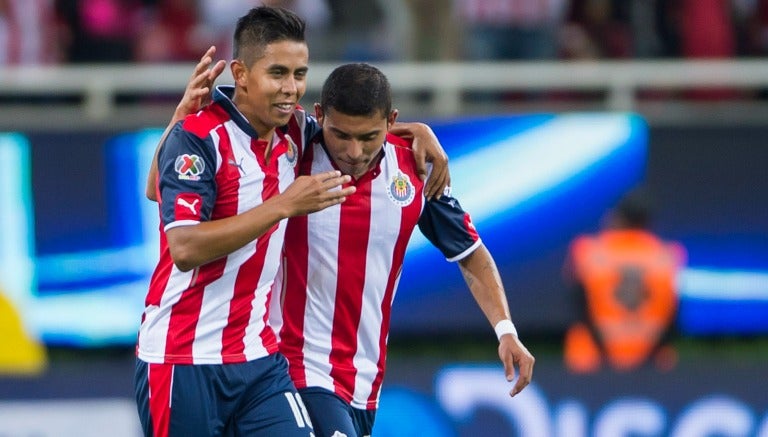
(262, 26)
(357, 89)
(635, 209)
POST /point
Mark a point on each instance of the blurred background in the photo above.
(550, 110)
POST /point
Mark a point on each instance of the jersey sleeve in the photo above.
(311, 128)
(187, 169)
(449, 228)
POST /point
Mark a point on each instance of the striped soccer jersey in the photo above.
(341, 268)
(213, 166)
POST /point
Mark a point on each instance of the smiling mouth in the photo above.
(285, 106)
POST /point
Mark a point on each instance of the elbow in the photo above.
(185, 248)
(150, 192)
(183, 266)
(184, 259)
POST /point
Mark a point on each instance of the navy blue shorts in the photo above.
(256, 398)
(331, 414)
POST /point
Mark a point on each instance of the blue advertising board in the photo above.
(78, 240)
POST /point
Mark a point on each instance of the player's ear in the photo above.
(239, 72)
(319, 115)
(392, 118)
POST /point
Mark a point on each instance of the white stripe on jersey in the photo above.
(158, 318)
(322, 275)
(382, 237)
(326, 229)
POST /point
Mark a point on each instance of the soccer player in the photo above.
(208, 361)
(341, 266)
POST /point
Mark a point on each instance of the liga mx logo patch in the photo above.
(189, 167)
(400, 189)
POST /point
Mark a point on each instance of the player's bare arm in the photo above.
(196, 95)
(482, 278)
(426, 148)
(195, 245)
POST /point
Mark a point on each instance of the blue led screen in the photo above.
(81, 239)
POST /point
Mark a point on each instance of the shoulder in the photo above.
(406, 143)
(582, 243)
(204, 121)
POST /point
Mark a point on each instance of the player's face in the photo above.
(269, 89)
(354, 141)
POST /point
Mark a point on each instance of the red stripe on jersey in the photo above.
(409, 216)
(470, 227)
(185, 314)
(297, 265)
(160, 380)
(203, 122)
(241, 305)
(161, 274)
(271, 189)
(352, 253)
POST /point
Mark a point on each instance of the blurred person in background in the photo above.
(216, 22)
(100, 30)
(510, 29)
(28, 33)
(172, 31)
(624, 281)
(597, 29)
(432, 30)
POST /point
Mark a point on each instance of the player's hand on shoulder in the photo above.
(308, 194)
(427, 149)
(513, 353)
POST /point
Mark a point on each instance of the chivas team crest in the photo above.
(292, 152)
(400, 189)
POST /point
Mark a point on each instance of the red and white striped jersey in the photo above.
(213, 166)
(341, 268)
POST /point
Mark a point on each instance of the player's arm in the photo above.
(449, 228)
(196, 95)
(198, 244)
(482, 278)
(426, 148)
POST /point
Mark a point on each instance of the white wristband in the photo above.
(505, 327)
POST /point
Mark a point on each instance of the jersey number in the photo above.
(299, 410)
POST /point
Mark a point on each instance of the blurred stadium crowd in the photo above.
(81, 31)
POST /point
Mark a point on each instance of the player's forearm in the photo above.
(482, 278)
(195, 245)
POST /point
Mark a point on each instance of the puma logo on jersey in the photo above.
(186, 204)
(239, 166)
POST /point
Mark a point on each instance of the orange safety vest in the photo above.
(629, 281)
